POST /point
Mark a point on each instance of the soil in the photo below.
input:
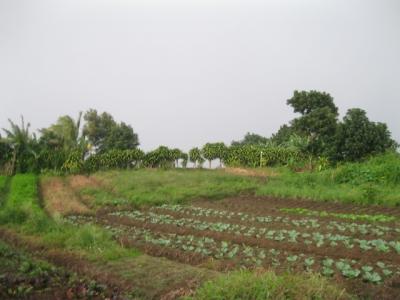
(260, 206)
(263, 205)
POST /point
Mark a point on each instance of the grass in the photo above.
(23, 213)
(375, 181)
(246, 285)
(156, 187)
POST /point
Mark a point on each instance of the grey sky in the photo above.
(189, 72)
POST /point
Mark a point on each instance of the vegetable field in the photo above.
(359, 250)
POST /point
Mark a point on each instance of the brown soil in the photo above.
(59, 199)
(323, 221)
(337, 252)
(260, 206)
(263, 205)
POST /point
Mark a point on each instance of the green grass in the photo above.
(23, 213)
(375, 181)
(246, 285)
(155, 187)
(3, 182)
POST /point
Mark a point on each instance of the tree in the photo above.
(283, 135)
(209, 152)
(104, 133)
(176, 154)
(5, 154)
(65, 134)
(21, 142)
(195, 157)
(358, 137)
(318, 120)
(251, 139)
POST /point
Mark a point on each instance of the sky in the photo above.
(184, 73)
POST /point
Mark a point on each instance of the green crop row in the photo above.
(354, 217)
(282, 235)
(248, 256)
(305, 223)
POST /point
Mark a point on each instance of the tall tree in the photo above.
(105, 134)
(21, 141)
(318, 120)
(358, 137)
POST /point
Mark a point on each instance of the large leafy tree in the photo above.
(283, 135)
(22, 145)
(318, 120)
(358, 137)
(105, 134)
(251, 139)
(212, 151)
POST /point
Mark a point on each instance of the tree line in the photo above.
(95, 141)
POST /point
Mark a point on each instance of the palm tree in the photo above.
(20, 140)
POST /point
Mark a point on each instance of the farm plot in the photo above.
(357, 250)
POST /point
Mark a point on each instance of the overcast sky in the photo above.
(189, 72)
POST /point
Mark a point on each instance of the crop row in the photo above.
(249, 256)
(307, 223)
(283, 235)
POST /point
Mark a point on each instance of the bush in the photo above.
(382, 169)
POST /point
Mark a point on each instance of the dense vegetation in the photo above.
(315, 139)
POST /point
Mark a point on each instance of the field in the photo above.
(167, 234)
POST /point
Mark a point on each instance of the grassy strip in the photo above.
(247, 285)
(354, 217)
(375, 181)
(155, 187)
(23, 212)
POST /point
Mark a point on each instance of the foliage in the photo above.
(195, 157)
(251, 139)
(74, 163)
(113, 159)
(251, 285)
(105, 134)
(358, 137)
(318, 120)
(162, 157)
(374, 181)
(64, 134)
(211, 151)
(283, 135)
(260, 156)
(22, 143)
